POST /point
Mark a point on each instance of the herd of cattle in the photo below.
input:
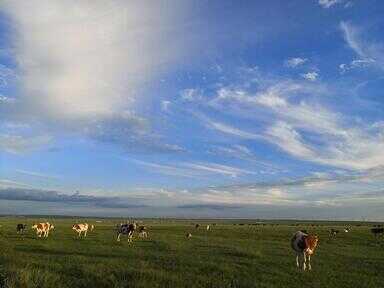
(42, 229)
(302, 243)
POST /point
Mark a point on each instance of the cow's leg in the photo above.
(309, 262)
(297, 260)
(304, 262)
(118, 236)
(85, 233)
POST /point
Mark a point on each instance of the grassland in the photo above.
(230, 255)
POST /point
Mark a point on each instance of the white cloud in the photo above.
(194, 169)
(165, 105)
(20, 144)
(6, 100)
(227, 129)
(218, 169)
(329, 3)
(310, 76)
(294, 62)
(304, 128)
(7, 75)
(190, 95)
(81, 65)
(357, 63)
(369, 51)
(285, 136)
(80, 60)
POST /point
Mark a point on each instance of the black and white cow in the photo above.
(20, 228)
(377, 231)
(126, 229)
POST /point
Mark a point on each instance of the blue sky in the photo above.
(212, 109)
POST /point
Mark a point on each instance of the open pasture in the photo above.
(230, 254)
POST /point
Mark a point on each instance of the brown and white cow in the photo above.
(81, 228)
(42, 229)
(304, 245)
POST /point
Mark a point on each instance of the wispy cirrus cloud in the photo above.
(295, 62)
(194, 169)
(371, 52)
(300, 126)
(19, 144)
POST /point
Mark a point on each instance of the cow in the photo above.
(333, 232)
(143, 232)
(126, 229)
(81, 228)
(208, 227)
(304, 245)
(189, 235)
(197, 226)
(20, 228)
(347, 229)
(42, 229)
(377, 231)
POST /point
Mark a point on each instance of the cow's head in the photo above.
(51, 227)
(34, 226)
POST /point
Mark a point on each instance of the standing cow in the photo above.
(20, 228)
(304, 245)
(42, 229)
(126, 229)
(143, 232)
(81, 228)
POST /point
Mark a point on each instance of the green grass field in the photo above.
(230, 255)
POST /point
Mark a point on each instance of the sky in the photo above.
(230, 109)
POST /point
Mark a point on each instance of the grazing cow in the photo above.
(42, 229)
(143, 232)
(189, 235)
(347, 229)
(208, 227)
(197, 226)
(20, 228)
(81, 228)
(377, 231)
(333, 232)
(304, 245)
(126, 229)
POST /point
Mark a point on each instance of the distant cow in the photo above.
(143, 232)
(81, 228)
(197, 226)
(42, 229)
(347, 229)
(126, 229)
(377, 231)
(304, 245)
(208, 227)
(20, 228)
(189, 235)
(333, 232)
